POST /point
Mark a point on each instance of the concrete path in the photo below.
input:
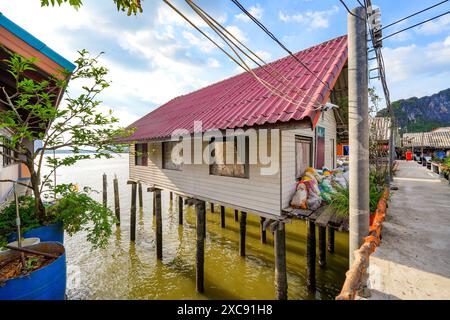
(413, 261)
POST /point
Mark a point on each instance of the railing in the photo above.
(355, 274)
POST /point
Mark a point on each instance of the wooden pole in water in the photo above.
(133, 211)
(157, 195)
(141, 204)
(243, 229)
(200, 257)
(236, 215)
(180, 210)
(222, 216)
(116, 199)
(105, 190)
(322, 246)
(212, 207)
(263, 232)
(281, 285)
(311, 256)
(330, 239)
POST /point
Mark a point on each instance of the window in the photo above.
(7, 153)
(320, 147)
(168, 154)
(239, 168)
(303, 155)
(141, 154)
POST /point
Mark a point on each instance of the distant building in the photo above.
(17, 40)
(428, 143)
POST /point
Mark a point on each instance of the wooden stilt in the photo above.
(116, 200)
(330, 239)
(141, 204)
(157, 195)
(263, 232)
(322, 246)
(236, 215)
(200, 257)
(133, 211)
(243, 229)
(281, 285)
(311, 256)
(222, 216)
(180, 210)
(212, 207)
(171, 196)
(105, 190)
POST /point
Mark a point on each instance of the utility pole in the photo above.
(358, 105)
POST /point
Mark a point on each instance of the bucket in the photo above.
(47, 283)
(52, 232)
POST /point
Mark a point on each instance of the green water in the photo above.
(128, 270)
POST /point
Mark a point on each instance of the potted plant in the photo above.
(34, 114)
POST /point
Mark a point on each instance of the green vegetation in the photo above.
(130, 6)
(340, 200)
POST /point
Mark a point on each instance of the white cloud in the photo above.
(213, 63)
(238, 33)
(315, 19)
(256, 11)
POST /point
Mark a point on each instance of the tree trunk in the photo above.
(35, 184)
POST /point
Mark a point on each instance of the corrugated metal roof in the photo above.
(241, 101)
(434, 139)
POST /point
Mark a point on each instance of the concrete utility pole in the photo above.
(358, 107)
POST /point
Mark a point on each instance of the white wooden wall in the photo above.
(258, 193)
(288, 181)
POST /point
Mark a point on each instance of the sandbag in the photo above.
(300, 197)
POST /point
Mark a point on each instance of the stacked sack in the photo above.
(317, 186)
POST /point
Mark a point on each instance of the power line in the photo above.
(273, 37)
(414, 14)
(413, 26)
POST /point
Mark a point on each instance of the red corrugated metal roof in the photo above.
(241, 101)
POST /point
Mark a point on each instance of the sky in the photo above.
(155, 56)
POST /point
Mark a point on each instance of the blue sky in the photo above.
(155, 56)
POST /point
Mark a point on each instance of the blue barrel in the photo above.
(52, 232)
(48, 283)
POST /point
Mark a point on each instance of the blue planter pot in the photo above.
(48, 283)
(52, 232)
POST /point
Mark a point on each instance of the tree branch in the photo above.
(17, 182)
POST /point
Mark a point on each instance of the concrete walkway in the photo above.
(413, 261)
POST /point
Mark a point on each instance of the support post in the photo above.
(180, 210)
(133, 211)
(157, 195)
(211, 207)
(311, 257)
(330, 239)
(222, 216)
(200, 257)
(281, 285)
(358, 129)
(116, 199)
(263, 231)
(171, 196)
(322, 246)
(243, 229)
(236, 215)
(141, 204)
(105, 190)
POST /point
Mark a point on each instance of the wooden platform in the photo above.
(324, 216)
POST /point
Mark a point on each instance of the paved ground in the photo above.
(413, 261)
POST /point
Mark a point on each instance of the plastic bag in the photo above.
(300, 197)
(312, 186)
(312, 171)
(314, 201)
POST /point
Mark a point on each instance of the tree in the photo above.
(33, 113)
(130, 6)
